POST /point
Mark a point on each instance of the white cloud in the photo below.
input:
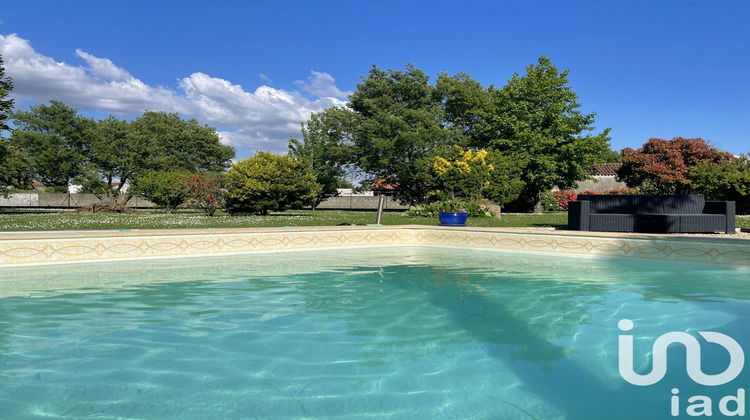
(263, 119)
(40, 78)
(322, 85)
(104, 68)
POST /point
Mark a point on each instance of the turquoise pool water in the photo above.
(400, 333)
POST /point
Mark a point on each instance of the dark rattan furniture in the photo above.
(650, 214)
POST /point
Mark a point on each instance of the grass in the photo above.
(147, 219)
(150, 219)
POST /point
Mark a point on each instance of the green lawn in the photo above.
(68, 220)
(148, 219)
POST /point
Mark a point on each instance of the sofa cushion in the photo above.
(609, 204)
(671, 204)
(612, 222)
(657, 223)
(703, 223)
(645, 204)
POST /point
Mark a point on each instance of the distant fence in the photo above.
(359, 202)
(73, 201)
(64, 201)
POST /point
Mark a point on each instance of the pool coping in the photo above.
(60, 247)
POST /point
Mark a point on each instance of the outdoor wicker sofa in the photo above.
(651, 214)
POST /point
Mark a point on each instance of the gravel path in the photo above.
(738, 235)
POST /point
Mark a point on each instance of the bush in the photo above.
(205, 191)
(269, 182)
(458, 174)
(450, 206)
(548, 201)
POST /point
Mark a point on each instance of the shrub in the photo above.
(563, 198)
(206, 191)
(458, 174)
(269, 182)
(450, 206)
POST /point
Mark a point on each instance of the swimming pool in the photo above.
(401, 332)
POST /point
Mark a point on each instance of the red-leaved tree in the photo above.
(662, 166)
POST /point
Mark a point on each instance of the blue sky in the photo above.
(255, 69)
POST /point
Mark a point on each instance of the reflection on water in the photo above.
(398, 332)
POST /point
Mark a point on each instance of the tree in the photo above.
(609, 156)
(401, 122)
(16, 168)
(466, 106)
(14, 164)
(662, 166)
(6, 102)
(474, 176)
(164, 188)
(53, 138)
(269, 182)
(115, 155)
(174, 143)
(725, 180)
(536, 119)
(326, 144)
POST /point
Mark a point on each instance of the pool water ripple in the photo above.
(386, 333)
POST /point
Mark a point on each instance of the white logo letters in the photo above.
(693, 357)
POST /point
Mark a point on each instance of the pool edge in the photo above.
(43, 248)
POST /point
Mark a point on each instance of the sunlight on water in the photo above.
(396, 333)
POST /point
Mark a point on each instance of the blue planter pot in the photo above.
(453, 219)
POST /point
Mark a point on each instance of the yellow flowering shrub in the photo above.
(466, 174)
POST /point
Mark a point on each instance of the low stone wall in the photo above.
(44, 200)
(600, 184)
(20, 200)
(359, 203)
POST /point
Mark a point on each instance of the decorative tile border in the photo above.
(657, 247)
(66, 247)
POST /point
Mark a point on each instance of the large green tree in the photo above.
(15, 168)
(61, 145)
(6, 102)
(54, 139)
(114, 154)
(163, 188)
(466, 107)
(114, 158)
(8, 154)
(401, 123)
(268, 182)
(326, 145)
(176, 143)
(536, 118)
